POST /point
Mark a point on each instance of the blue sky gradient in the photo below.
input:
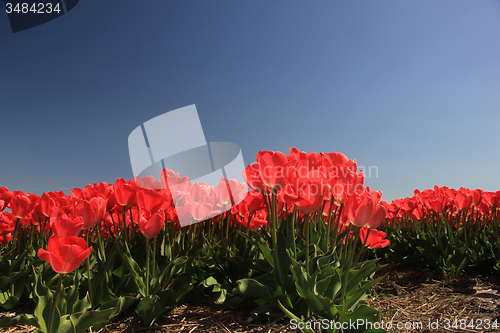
(409, 87)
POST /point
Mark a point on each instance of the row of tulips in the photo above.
(446, 200)
(294, 245)
(447, 229)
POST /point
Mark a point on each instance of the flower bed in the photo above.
(303, 244)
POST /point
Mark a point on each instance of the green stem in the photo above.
(125, 229)
(154, 257)
(307, 222)
(294, 233)
(54, 302)
(147, 265)
(346, 272)
(88, 267)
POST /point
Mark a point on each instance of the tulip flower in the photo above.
(46, 204)
(376, 239)
(5, 196)
(65, 254)
(92, 211)
(152, 199)
(238, 190)
(252, 203)
(125, 192)
(7, 222)
(5, 239)
(257, 219)
(252, 178)
(22, 204)
(378, 216)
(150, 224)
(269, 173)
(463, 201)
(63, 225)
(308, 193)
(492, 199)
(148, 182)
(359, 209)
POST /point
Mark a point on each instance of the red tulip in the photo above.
(92, 211)
(252, 178)
(5, 239)
(257, 219)
(269, 173)
(148, 182)
(477, 196)
(22, 204)
(46, 204)
(463, 201)
(378, 216)
(376, 239)
(252, 203)
(359, 209)
(65, 254)
(302, 163)
(174, 185)
(151, 199)
(492, 199)
(64, 226)
(5, 196)
(7, 223)
(196, 206)
(238, 190)
(151, 224)
(308, 193)
(125, 192)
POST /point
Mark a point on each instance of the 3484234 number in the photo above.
(35, 8)
(473, 324)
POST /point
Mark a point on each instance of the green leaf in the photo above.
(254, 288)
(301, 279)
(119, 305)
(10, 303)
(6, 281)
(72, 294)
(65, 325)
(283, 256)
(149, 309)
(322, 306)
(258, 241)
(44, 304)
(362, 315)
(135, 271)
(20, 320)
(292, 316)
(82, 321)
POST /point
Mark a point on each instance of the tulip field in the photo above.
(305, 242)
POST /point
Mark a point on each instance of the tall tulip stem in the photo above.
(125, 230)
(147, 265)
(307, 221)
(54, 301)
(88, 267)
(154, 257)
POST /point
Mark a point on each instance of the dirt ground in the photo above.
(410, 299)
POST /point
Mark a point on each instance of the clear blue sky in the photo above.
(411, 87)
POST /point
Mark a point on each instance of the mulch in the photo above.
(411, 299)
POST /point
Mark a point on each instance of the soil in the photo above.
(416, 299)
